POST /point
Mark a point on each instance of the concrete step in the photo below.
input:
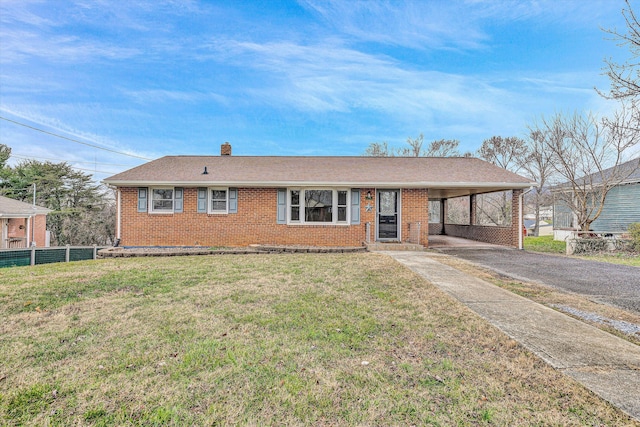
(394, 246)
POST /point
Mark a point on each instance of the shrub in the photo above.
(634, 232)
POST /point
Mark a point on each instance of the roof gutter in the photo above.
(23, 215)
(267, 184)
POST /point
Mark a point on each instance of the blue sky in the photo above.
(312, 77)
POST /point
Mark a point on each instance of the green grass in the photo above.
(548, 245)
(304, 339)
(544, 244)
(632, 259)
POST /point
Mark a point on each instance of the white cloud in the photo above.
(422, 25)
(336, 78)
(19, 45)
(447, 24)
(55, 119)
(154, 96)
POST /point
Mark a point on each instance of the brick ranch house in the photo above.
(22, 224)
(317, 201)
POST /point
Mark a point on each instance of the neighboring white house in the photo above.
(22, 224)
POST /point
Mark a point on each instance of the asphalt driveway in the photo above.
(600, 361)
(612, 284)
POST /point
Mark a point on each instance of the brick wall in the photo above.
(435, 228)
(415, 208)
(40, 230)
(255, 223)
(17, 228)
(482, 233)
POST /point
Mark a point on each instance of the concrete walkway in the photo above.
(605, 364)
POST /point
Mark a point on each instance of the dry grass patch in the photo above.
(298, 339)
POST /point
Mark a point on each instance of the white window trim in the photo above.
(210, 210)
(334, 204)
(161, 211)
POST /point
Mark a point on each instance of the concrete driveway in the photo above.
(617, 285)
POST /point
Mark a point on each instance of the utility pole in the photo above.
(33, 220)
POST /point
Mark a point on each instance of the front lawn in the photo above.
(304, 339)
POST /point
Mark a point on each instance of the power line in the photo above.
(20, 156)
(75, 167)
(72, 140)
(94, 171)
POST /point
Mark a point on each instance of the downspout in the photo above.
(28, 233)
(520, 219)
(118, 214)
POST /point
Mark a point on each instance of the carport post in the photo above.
(520, 221)
(443, 214)
(520, 218)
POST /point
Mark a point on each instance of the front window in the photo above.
(342, 206)
(218, 200)
(162, 200)
(295, 205)
(318, 206)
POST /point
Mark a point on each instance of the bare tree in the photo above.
(438, 148)
(625, 77)
(537, 163)
(508, 153)
(414, 149)
(444, 148)
(494, 208)
(458, 210)
(378, 149)
(588, 154)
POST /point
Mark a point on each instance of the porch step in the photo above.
(378, 246)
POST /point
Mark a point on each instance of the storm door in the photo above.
(388, 214)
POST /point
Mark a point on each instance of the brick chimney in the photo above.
(225, 149)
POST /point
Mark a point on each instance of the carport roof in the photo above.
(444, 176)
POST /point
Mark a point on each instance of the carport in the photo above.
(477, 214)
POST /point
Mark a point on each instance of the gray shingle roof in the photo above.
(406, 172)
(15, 208)
(625, 173)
